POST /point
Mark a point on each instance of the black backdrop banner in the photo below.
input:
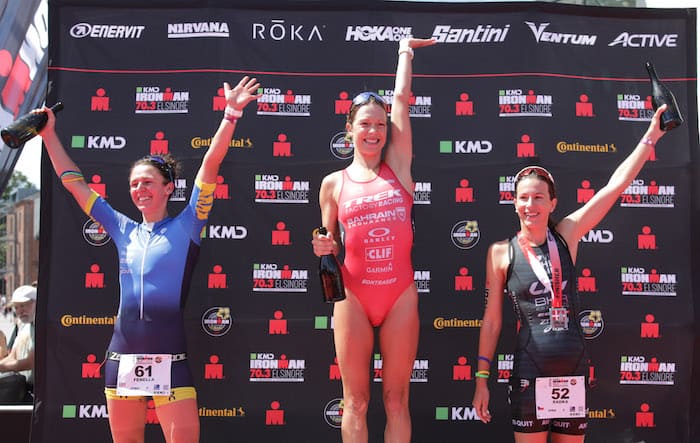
(507, 85)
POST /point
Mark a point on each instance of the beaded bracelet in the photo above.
(486, 359)
(483, 374)
(71, 176)
(648, 141)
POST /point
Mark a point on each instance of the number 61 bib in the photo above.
(144, 374)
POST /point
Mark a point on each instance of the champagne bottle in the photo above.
(660, 94)
(26, 127)
(331, 277)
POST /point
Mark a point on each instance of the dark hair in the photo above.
(166, 164)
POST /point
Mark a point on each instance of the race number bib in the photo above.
(560, 397)
(144, 374)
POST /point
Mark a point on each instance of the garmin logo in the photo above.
(628, 40)
(201, 29)
(117, 32)
(558, 37)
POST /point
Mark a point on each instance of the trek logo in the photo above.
(560, 38)
(98, 141)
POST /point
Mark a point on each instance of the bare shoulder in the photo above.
(330, 185)
(498, 254)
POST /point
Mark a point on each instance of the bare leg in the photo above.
(354, 340)
(398, 340)
(127, 419)
(179, 421)
(535, 437)
(563, 438)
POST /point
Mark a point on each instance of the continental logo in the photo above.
(564, 147)
(84, 320)
(444, 323)
(221, 412)
(204, 142)
(598, 414)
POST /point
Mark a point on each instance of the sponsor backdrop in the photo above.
(506, 86)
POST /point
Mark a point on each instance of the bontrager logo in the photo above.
(559, 37)
(81, 30)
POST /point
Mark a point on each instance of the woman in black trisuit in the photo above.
(536, 267)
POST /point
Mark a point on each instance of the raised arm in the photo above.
(576, 224)
(63, 165)
(236, 99)
(399, 153)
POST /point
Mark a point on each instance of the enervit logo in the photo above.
(278, 30)
(117, 32)
(377, 33)
(628, 40)
(201, 29)
(558, 37)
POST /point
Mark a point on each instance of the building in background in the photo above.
(19, 239)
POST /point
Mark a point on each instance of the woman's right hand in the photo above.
(323, 244)
(50, 125)
(481, 402)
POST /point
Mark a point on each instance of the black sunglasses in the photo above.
(161, 164)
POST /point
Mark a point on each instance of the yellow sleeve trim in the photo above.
(87, 208)
(207, 188)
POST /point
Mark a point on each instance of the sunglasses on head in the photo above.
(365, 97)
(537, 170)
(161, 164)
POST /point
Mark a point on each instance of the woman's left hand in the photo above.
(243, 93)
